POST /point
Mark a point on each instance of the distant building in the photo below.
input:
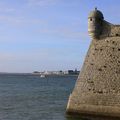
(72, 72)
(36, 72)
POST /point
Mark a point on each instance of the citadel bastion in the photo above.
(97, 89)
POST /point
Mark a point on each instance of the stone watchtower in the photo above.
(95, 23)
(97, 90)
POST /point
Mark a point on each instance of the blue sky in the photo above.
(48, 34)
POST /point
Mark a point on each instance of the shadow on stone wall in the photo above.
(69, 117)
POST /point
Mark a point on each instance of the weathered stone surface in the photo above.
(97, 90)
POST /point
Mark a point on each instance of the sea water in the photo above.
(30, 97)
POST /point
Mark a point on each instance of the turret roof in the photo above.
(96, 13)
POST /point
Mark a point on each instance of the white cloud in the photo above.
(41, 2)
(6, 10)
(20, 20)
(65, 32)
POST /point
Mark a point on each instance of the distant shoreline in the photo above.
(32, 74)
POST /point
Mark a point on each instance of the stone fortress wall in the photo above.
(97, 90)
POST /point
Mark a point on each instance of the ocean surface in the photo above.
(29, 97)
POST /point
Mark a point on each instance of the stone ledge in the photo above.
(110, 111)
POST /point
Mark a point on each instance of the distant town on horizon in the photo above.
(60, 72)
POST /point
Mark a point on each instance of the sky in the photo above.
(40, 35)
